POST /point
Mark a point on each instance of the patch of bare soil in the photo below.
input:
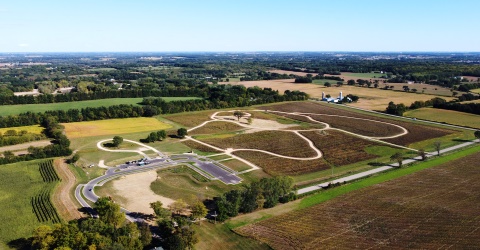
(135, 189)
(61, 198)
(22, 146)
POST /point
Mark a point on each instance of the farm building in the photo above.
(332, 99)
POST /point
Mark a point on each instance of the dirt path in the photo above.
(42, 143)
(66, 207)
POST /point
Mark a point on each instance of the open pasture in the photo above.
(190, 119)
(17, 109)
(430, 209)
(216, 127)
(446, 116)
(370, 98)
(236, 165)
(113, 127)
(274, 165)
(279, 142)
(339, 148)
(416, 132)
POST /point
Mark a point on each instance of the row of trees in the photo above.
(60, 146)
(11, 137)
(265, 193)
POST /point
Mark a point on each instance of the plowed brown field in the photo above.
(281, 166)
(279, 142)
(339, 148)
(436, 208)
(416, 132)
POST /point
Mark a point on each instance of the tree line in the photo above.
(60, 144)
(265, 193)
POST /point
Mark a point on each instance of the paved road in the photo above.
(380, 169)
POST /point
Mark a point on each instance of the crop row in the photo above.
(416, 132)
(47, 171)
(430, 209)
(43, 207)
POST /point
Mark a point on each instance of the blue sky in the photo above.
(239, 25)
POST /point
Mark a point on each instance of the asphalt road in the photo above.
(208, 168)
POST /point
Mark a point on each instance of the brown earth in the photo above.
(339, 148)
(437, 208)
(190, 119)
(62, 199)
(279, 142)
(24, 146)
(370, 98)
(273, 165)
(199, 146)
(416, 132)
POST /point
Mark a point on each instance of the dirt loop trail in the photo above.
(67, 208)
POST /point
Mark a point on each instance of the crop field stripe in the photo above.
(330, 194)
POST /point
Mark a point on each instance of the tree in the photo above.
(327, 84)
(109, 212)
(477, 133)
(161, 212)
(198, 210)
(438, 146)
(161, 135)
(117, 140)
(398, 157)
(421, 153)
(238, 114)
(182, 132)
(8, 155)
(178, 207)
(351, 82)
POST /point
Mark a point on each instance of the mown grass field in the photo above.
(216, 127)
(475, 91)
(113, 127)
(190, 119)
(34, 129)
(407, 211)
(17, 109)
(20, 182)
(183, 183)
(446, 116)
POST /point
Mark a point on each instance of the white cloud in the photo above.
(23, 45)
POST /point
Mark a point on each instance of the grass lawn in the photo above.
(446, 116)
(475, 91)
(362, 75)
(323, 81)
(19, 182)
(34, 129)
(218, 236)
(17, 109)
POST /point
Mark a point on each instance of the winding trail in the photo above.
(141, 152)
(229, 151)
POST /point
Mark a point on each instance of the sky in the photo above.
(239, 25)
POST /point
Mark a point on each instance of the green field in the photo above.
(323, 81)
(17, 109)
(362, 75)
(101, 69)
(19, 182)
(446, 116)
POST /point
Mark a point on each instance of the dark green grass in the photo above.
(17, 109)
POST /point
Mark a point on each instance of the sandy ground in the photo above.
(17, 147)
(136, 190)
(67, 208)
